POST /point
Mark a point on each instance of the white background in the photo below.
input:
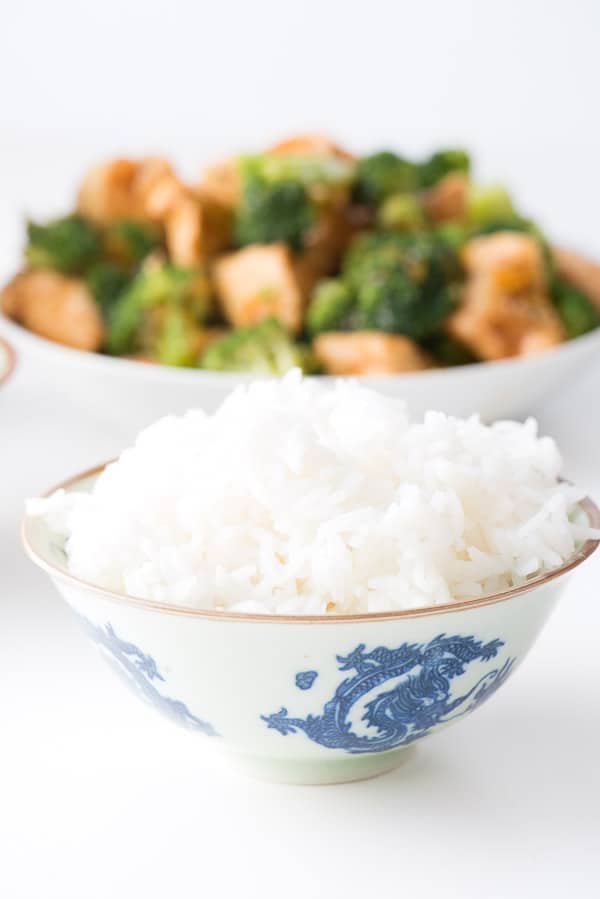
(99, 799)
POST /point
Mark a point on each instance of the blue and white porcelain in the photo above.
(310, 699)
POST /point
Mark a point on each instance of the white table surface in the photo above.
(100, 798)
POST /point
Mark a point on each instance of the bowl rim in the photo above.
(11, 358)
(119, 365)
(54, 570)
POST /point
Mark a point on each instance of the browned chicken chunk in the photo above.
(368, 353)
(259, 282)
(121, 189)
(54, 306)
(447, 200)
(505, 310)
(196, 225)
(221, 182)
(309, 145)
(582, 273)
(325, 246)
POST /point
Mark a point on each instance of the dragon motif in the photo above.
(419, 700)
(140, 672)
(305, 679)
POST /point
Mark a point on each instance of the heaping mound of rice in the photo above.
(295, 498)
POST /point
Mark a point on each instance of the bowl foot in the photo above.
(322, 771)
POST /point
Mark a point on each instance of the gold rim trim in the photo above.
(12, 360)
(588, 506)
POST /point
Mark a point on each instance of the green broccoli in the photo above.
(106, 282)
(448, 351)
(155, 288)
(68, 245)
(576, 311)
(382, 174)
(331, 307)
(271, 209)
(401, 212)
(490, 204)
(265, 349)
(312, 171)
(452, 235)
(269, 213)
(402, 282)
(442, 163)
(174, 337)
(127, 243)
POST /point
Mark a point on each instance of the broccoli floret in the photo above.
(489, 204)
(68, 245)
(402, 282)
(452, 235)
(106, 282)
(128, 243)
(174, 338)
(331, 307)
(269, 213)
(270, 209)
(448, 351)
(265, 348)
(382, 174)
(155, 288)
(576, 311)
(442, 163)
(401, 212)
(312, 171)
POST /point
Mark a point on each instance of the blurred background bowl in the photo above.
(127, 395)
(7, 360)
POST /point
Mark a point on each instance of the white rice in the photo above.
(296, 498)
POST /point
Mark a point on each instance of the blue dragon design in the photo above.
(305, 679)
(419, 700)
(140, 671)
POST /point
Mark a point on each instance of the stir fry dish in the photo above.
(305, 256)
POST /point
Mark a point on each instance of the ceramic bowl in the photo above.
(7, 360)
(312, 699)
(127, 396)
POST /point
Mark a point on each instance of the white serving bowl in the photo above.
(130, 395)
(7, 360)
(310, 699)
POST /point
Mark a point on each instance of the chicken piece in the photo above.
(56, 307)
(514, 260)
(309, 145)
(221, 183)
(196, 227)
(185, 231)
(120, 189)
(368, 353)
(259, 282)
(505, 309)
(447, 200)
(582, 273)
(325, 245)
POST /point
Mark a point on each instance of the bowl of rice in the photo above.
(309, 577)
